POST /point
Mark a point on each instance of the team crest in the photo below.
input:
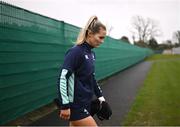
(86, 56)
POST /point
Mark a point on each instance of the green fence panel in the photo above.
(115, 55)
(32, 49)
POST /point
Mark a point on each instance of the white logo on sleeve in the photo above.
(93, 57)
(86, 56)
(85, 110)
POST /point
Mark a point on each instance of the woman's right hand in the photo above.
(65, 113)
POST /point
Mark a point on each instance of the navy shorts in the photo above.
(79, 112)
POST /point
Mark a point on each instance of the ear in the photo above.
(89, 33)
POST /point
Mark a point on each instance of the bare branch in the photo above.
(144, 28)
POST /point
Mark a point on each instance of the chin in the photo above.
(97, 45)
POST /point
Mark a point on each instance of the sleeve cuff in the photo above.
(59, 105)
(101, 98)
(66, 106)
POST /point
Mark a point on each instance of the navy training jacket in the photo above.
(76, 81)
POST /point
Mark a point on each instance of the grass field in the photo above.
(158, 101)
(163, 57)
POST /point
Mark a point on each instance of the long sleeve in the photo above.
(97, 89)
(63, 88)
(66, 73)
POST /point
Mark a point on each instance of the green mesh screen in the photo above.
(32, 48)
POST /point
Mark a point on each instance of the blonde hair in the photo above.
(93, 25)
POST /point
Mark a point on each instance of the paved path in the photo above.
(119, 90)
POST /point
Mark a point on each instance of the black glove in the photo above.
(95, 107)
(105, 111)
(101, 109)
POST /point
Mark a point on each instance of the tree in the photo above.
(169, 43)
(153, 43)
(141, 44)
(125, 39)
(176, 36)
(144, 29)
(177, 45)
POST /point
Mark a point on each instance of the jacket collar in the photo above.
(87, 46)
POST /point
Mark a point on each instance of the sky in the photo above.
(115, 14)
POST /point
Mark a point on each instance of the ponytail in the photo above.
(92, 25)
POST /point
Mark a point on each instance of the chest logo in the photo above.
(86, 56)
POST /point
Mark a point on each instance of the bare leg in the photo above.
(88, 121)
(70, 124)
